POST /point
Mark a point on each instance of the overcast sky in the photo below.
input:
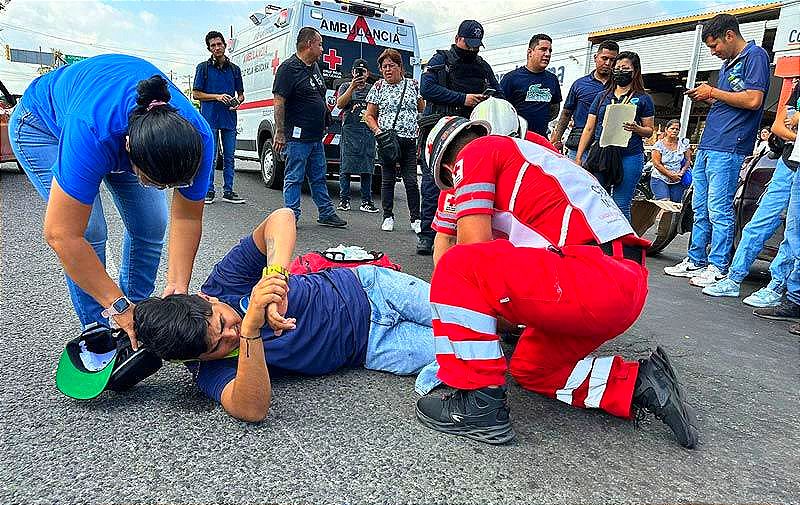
(170, 34)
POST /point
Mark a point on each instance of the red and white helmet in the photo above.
(443, 132)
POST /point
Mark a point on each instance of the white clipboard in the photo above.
(616, 114)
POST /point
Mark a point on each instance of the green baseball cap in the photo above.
(87, 363)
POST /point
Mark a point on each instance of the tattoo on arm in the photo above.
(270, 249)
(563, 121)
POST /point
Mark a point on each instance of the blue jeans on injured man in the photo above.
(401, 330)
(715, 175)
(765, 220)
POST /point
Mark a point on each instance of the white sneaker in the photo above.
(764, 297)
(416, 226)
(388, 224)
(684, 269)
(707, 277)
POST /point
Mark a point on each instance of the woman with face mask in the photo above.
(625, 86)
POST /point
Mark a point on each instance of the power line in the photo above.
(521, 13)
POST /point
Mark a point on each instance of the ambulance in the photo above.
(349, 30)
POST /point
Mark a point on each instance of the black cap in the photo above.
(472, 31)
(360, 63)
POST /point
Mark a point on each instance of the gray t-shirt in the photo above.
(387, 96)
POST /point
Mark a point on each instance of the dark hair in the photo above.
(672, 122)
(213, 35)
(638, 81)
(457, 144)
(306, 35)
(174, 327)
(391, 54)
(718, 25)
(536, 38)
(608, 44)
(163, 144)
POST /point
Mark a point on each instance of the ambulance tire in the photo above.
(271, 166)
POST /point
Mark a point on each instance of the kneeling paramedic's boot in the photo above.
(658, 391)
(481, 414)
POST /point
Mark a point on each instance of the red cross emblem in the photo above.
(332, 59)
(275, 62)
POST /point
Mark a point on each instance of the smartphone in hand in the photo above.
(233, 102)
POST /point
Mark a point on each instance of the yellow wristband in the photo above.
(276, 269)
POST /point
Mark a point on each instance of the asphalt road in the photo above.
(351, 437)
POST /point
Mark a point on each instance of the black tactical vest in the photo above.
(458, 75)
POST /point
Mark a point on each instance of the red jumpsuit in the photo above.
(544, 270)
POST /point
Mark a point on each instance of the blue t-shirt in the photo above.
(211, 79)
(532, 93)
(87, 106)
(331, 308)
(644, 108)
(731, 129)
(580, 97)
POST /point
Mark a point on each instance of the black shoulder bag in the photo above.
(388, 141)
(607, 160)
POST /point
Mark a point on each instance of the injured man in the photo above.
(253, 320)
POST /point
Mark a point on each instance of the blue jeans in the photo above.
(400, 330)
(573, 153)
(228, 146)
(792, 237)
(143, 211)
(622, 193)
(761, 227)
(715, 175)
(365, 180)
(306, 159)
(663, 191)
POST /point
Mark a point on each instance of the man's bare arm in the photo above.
(441, 243)
(561, 126)
(474, 228)
(279, 140)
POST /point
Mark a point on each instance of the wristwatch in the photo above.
(119, 306)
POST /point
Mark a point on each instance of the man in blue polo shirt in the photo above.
(216, 80)
(581, 95)
(531, 89)
(281, 324)
(733, 120)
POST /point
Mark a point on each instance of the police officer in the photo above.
(454, 82)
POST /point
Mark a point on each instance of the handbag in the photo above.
(574, 138)
(388, 141)
(606, 160)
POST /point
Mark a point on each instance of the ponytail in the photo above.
(163, 144)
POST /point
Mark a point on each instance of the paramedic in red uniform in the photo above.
(540, 243)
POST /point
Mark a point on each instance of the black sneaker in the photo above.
(333, 220)
(481, 415)
(344, 205)
(424, 245)
(231, 197)
(210, 197)
(794, 329)
(658, 391)
(786, 311)
(368, 207)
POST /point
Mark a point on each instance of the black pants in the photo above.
(430, 191)
(408, 171)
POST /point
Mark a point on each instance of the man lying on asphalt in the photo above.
(309, 324)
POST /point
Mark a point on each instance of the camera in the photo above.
(360, 72)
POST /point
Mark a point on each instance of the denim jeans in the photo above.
(663, 191)
(365, 180)
(792, 237)
(408, 172)
(143, 211)
(228, 146)
(306, 159)
(573, 153)
(761, 227)
(622, 193)
(400, 331)
(715, 175)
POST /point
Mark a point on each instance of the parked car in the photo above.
(7, 103)
(755, 174)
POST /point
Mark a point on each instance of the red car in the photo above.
(7, 103)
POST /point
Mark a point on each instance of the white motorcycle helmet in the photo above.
(445, 130)
(502, 116)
